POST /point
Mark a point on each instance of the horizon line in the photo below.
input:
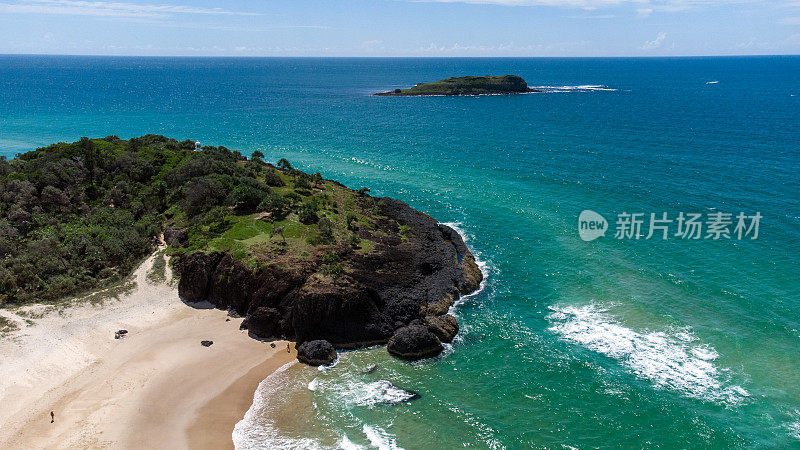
(732, 55)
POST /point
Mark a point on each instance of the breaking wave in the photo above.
(482, 265)
(255, 430)
(379, 438)
(355, 393)
(674, 361)
(579, 88)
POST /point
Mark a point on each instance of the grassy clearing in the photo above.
(114, 292)
(7, 325)
(158, 273)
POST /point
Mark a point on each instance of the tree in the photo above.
(284, 164)
(303, 182)
(308, 214)
(277, 205)
(258, 155)
(325, 227)
(316, 179)
(352, 219)
(278, 230)
(89, 158)
(246, 198)
(203, 193)
(272, 178)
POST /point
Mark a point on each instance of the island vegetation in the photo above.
(299, 256)
(472, 85)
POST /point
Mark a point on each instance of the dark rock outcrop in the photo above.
(414, 342)
(195, 270)
(263, 322)
(412, 275)
(206, 343)
(176, 237)
(316, 353)
(443, 327)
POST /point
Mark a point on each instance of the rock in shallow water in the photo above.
(316, 353)
(414, 342)
(444, 327)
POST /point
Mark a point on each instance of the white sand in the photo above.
(146, 390)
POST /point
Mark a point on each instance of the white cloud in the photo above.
(655, 43)
(458, 49)
(644, 12)
(593, 16)
(646, 7)
(108, 9)
(371, 44)
(586, 4)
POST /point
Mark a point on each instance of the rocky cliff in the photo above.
(399, 292)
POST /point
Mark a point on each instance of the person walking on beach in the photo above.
(287, 348)
(52, 417)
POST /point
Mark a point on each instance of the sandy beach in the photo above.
(156, 388)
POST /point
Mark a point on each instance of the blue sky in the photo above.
(401, 27)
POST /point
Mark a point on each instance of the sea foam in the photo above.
(578, 88)
(669, 360)
(379, 438)
(255, 430)
(355, 393)
(482, 265)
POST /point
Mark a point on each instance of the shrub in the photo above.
(246, 198)
(308, 214)
(331, 265)
(302, 182)
(325, 227)
(277, 205)
(203, 193)
(352, 222)
(272, 178)
(294, 198)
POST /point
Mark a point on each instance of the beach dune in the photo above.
(156, 388)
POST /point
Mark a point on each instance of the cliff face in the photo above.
(411, 277)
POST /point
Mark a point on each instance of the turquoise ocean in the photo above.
(614, 343)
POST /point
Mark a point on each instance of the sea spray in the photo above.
(670, 361)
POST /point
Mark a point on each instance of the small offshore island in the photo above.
(472, 85)
(299, 257)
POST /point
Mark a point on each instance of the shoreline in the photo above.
(154, 388)
(215, 420)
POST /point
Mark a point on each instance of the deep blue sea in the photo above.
(633, 343)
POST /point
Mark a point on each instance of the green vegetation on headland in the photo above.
(78, 216)
(300, 257)
(487, 85)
